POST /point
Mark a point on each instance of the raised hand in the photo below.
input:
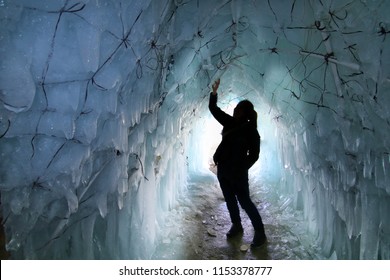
(215, 86)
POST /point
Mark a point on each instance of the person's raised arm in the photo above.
(215, 86)
(218, 114)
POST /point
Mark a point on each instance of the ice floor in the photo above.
(196, 228)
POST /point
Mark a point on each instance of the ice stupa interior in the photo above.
(104, 117)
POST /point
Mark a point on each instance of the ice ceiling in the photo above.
(99, 101)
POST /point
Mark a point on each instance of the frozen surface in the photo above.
(104, 122)
(205, 220)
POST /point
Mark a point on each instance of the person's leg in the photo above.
(230, 199)
(251, 210)
(246, 203)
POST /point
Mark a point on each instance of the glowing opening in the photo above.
(206, 137)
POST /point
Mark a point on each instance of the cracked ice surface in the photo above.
(100, 100)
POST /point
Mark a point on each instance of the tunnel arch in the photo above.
(90, 176)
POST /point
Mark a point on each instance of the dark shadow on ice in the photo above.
(3, 253)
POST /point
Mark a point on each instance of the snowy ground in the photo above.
(196, 228)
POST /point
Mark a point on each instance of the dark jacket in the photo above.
(240, 145)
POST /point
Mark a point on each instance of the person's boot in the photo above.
(259, 239)
(235, 230)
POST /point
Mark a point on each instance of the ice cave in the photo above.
(106, 139)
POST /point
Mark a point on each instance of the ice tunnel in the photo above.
(104, 118)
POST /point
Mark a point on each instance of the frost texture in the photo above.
(99, 98)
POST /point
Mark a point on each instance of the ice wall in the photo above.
(99, 98)
(90, 158)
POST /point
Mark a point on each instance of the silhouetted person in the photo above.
(237, 152)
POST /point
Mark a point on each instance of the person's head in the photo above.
(245, 112)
